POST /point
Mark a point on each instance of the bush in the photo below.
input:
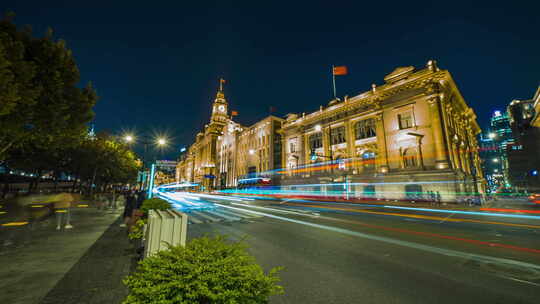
(137, 230)
(154, 203)
(207, 270)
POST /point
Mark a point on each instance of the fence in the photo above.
(165, 227)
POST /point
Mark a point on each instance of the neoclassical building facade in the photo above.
(226, 150)
(413, 134)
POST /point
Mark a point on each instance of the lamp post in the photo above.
(160, 142)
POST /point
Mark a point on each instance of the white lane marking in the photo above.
(274, 210)
(194, 220)
(240, 214)
(521, 281)
(223, 215)
(444, 220)
(448, 252)
(206, 216)
(287, 200)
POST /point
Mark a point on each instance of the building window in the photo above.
(405, 120)
(410, 158)
(368, 160)
(369, 191)
(315, 141)
(292, 147)
(365, 128)
(337, 135)
(413, 192)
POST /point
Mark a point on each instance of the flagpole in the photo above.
(334, 81)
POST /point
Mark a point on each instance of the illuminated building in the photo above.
(493, 146)
(413, 134)
(523, 161)
(488, 151)
(226, 150)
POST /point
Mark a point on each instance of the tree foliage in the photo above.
(102, 161)
(207, 270)
(41, 107)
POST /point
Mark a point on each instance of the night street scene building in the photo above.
(523, 160)
(282, 153)
(412, 135)
(493, 151)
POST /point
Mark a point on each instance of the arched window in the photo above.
(410, 158)
(365, 129)
(368, 160)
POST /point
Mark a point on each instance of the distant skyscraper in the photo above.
(493, 147)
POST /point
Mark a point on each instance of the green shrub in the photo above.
(137, 229)
(154, 203)
(207, 270)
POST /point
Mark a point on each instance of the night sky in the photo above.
(156, 64)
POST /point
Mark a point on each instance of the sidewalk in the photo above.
(83, 265)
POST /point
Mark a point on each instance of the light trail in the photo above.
(511, 210)
(426, 217)
(432, 249)
(530, 217)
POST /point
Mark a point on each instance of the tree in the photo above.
(41, 106)
(101, 161)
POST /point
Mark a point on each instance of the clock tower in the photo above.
(219, 109)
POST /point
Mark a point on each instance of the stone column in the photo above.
(306, 149)
(326, 142)
(283, 151)
(382, 154)
(441, 160)
(327, 145)
(349, 130)
(455, 152)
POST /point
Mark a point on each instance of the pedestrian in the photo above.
(112, 199)
(130, 204)
(141, 196)
(438, 198)
(62, 209)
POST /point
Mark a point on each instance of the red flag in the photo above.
(234, 113)
(340, 70)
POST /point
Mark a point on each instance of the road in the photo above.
(351, 253)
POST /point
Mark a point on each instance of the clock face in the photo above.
(221, 108)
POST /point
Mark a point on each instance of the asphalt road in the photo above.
(346, 253)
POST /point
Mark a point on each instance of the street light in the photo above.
(161, 141)
(251, 151)
(128, 138)
(492, 135)
(495, 160)
(318, 128)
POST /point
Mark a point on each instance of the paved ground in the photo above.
(338, 253)
(332, 253)
(82, 265)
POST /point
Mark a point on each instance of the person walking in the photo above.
(112, 199)
(62, 209)
(141, 196)
(130, 204)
